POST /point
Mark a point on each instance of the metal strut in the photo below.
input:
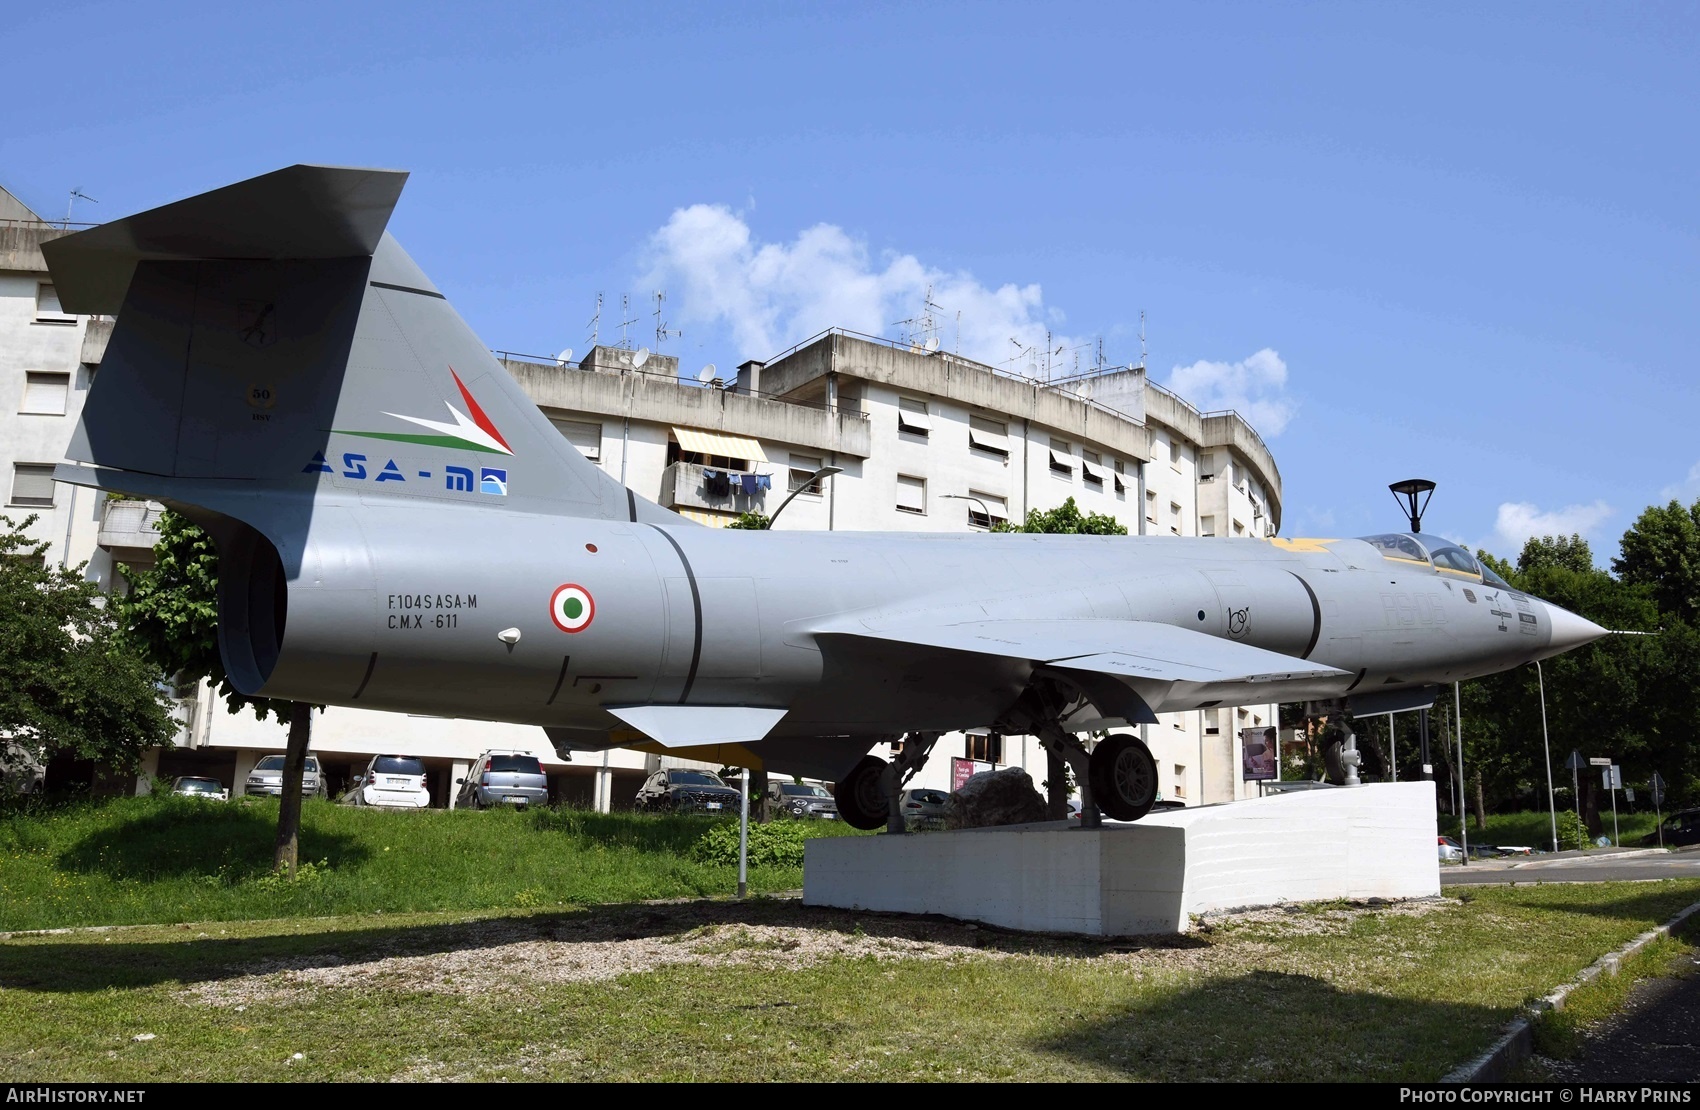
(917, 746)
(1053, 738)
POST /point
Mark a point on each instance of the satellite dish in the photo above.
(932, 343)
(564, 357)
(707, 373)
(640, 358)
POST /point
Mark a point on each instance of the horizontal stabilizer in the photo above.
(302, 212)
(691, 726)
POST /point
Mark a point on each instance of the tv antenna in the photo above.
(924, 329)
(70, 203)
(662, 334)
(1142, 339)
(596, 324)
(627, 320)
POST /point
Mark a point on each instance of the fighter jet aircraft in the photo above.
(400, 528)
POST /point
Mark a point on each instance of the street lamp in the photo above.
(1409, 490)
(823, 472)
(1546, 746)
(985, 512)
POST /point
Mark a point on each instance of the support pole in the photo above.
(1463, 802)
(744, 834)
(1392, 749)
(1546, 748)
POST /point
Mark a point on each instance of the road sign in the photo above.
(1600, 761)
(1575, 762)
(1611, 777)
(1658, 790)
(1629, 794)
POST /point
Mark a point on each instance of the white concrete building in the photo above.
(924, 441)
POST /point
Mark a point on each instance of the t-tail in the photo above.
(279, 363)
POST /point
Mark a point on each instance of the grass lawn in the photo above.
(134, 860)
(1535, 829)
(772, 990)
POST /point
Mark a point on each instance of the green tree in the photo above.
(1569, 552)
(1661, 551)
(70, 682)
(172, 613)
(751, 520)
(1067, 519)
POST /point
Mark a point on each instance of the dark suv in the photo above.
(677, 791)
(795, 799)
(503, 778)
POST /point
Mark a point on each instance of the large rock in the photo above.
(1003, 797)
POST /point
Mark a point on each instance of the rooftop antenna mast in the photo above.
(70, 203)
(662, 334)
(923, 333)
(1142, 339)
(596, 323)
(626, 320)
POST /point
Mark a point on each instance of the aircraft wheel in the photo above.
(861, 796)
(1123, 777)
(1333, 751)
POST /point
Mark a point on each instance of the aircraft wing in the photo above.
(1168, 667)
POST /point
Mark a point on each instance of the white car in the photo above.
(1450, 850)
(394, 781)
(267, 777)
(193, 786)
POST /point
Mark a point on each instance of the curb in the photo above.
(1517, 1043)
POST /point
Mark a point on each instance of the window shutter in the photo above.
(911, 494)
(32, 484)
(46, 393)
(585, 436)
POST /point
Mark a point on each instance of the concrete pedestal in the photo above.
(1373, 841)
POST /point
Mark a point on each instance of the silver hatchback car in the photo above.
(267, 778)
(503, 778)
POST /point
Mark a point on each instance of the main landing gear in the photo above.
(868, 796)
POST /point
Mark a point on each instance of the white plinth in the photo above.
(1374, 841)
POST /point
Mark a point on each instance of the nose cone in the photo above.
(1568, 631)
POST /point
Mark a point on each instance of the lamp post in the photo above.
(823, 472)
(1546, 747)
(985, 512)
(1407, 493)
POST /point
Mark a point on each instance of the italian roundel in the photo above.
(571, 608)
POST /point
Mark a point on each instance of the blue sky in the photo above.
(1454, 241)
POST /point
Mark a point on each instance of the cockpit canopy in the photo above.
(1443, 555)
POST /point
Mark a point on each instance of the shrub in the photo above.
(777, 844)
(1572, 833)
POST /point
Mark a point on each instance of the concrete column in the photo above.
(604, 791)
(148, 773)
(245, 760)
(457, 770)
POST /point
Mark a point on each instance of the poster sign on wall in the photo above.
(1257, 746)
(961, 770)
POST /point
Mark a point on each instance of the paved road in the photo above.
(1598, 866)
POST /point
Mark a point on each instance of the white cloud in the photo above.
(1685, 490)
(1518, 520)
(1254, 387)
(771, 295)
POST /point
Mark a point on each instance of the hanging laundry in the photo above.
(749, 482)
(764, 481)
(716, 483)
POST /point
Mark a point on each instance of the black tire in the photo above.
(861, 796)
(1333, 751)
(1123, 777)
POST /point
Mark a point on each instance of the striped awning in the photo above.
(707, 517)
(720, 443)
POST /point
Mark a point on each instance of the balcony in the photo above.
(129, 529)
(683, 486)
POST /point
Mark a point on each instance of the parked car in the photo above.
(192, 786)
(1679, 829)
(267, 777)
(503, 778)
(679, 791)
(799, 799)
(1450, 850)
(394, 781)
(923, 808)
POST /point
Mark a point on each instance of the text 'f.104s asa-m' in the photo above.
(400, 528)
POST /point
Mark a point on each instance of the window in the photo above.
(985, 510)
(1091, 470)
(1239, 529)
(32, 484)
(1180, 781)
(987, 748)
(1174, 518)
(803, 467)
(1151, 505)
(1207, 526)
(911, 495)
(912, 417)
(1207, 466)
(1212, 722)
(988, 435)
(1121, 480)
(1177, 455)
(585, 436)
(1062, 459)
(45, 393)
(47, 305)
